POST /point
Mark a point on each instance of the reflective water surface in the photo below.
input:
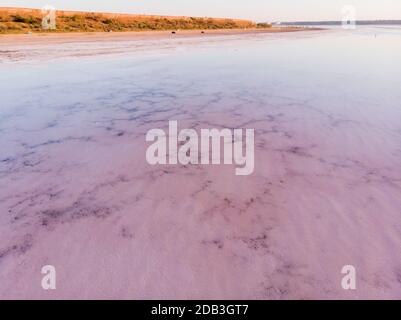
(76, 191)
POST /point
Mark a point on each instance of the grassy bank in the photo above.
(14, 20)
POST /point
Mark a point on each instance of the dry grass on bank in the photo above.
(15, 20)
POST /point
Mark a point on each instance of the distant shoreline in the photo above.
(339, 23)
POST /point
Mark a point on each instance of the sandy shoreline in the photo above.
(53, 46)
(137, 35)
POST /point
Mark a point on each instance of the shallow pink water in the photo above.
(76, 191)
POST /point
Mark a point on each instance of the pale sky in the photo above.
(259, 10)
